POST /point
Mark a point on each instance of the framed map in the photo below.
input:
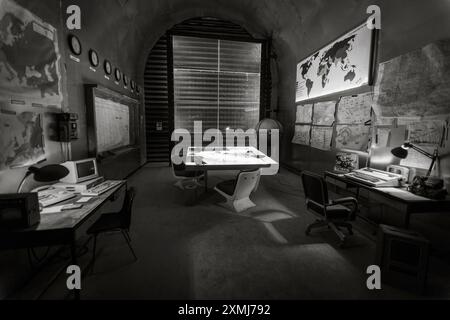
(347, 63)
(29, 58)
(21, 139)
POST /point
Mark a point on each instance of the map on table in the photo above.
(21, 139)
(29, 58)
(342, 65)
(416, 84)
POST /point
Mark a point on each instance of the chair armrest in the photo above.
(345, 200)
(350, 201)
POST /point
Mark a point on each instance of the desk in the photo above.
(405, 202)
(226, 158)
(62, 228)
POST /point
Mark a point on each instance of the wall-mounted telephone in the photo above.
(67, 126)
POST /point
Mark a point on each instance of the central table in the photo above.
(226, 158)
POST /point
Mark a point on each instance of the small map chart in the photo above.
(21, 139)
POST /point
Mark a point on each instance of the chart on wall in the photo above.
(355, 109)
(302, 134)
(29, 58)
(352, 137)
(324, 113)
(21, 139)
(342, 65)
(112, 125)
(416, 84)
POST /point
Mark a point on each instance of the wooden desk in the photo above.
(62, 228)
(404, 201)
(226, 158)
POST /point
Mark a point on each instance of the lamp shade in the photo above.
(400, 152)
(49, 173)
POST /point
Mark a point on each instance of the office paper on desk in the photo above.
(49, 210)
(84, 200)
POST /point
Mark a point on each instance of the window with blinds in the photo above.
(216, 82)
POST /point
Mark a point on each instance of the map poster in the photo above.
(302, 135)
(352, 137)
(321, 137)
(29, 58)
(416, 84)
(426, 132)
(342, 65)
(324, 113)
(21, 139)
(304, 114)
(355, 109)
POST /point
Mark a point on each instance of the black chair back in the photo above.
(127, 208)
(316, 192)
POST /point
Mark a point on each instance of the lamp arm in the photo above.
(425, 153)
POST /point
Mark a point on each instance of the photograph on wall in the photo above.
(29, 58)
(353, 137)
(304, 113)
(302, 135)
(323, 114)
(21, 139)
(321, 138)
(415, 84)
(354, 109)
(343, 64)
(346, 162)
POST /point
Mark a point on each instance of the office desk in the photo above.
(61, 228)
(405, 202)
(227, 158)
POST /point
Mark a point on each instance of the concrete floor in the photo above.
(203, 251)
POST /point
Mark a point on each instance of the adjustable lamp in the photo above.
(52, 172)
(402, 153)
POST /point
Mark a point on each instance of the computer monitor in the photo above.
(81, 170)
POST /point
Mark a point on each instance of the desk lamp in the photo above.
(402, 153)
(50, 173)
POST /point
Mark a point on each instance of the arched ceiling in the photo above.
(297, 27)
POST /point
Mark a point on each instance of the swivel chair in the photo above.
(332, 213)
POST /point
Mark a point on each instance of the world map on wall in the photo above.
(29, 57)
(342, 65)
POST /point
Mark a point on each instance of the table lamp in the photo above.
(49, 173)
(402, 153)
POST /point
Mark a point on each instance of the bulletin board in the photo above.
(112, 120)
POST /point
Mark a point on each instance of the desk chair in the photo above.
(333, 214)
(115, 222)
(237, 192)
(185, 179)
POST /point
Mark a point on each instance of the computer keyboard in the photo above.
(101, 188)
(365, 177)
(52, 196)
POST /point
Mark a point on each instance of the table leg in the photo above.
(73, 252)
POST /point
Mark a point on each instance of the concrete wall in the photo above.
(125, 31)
